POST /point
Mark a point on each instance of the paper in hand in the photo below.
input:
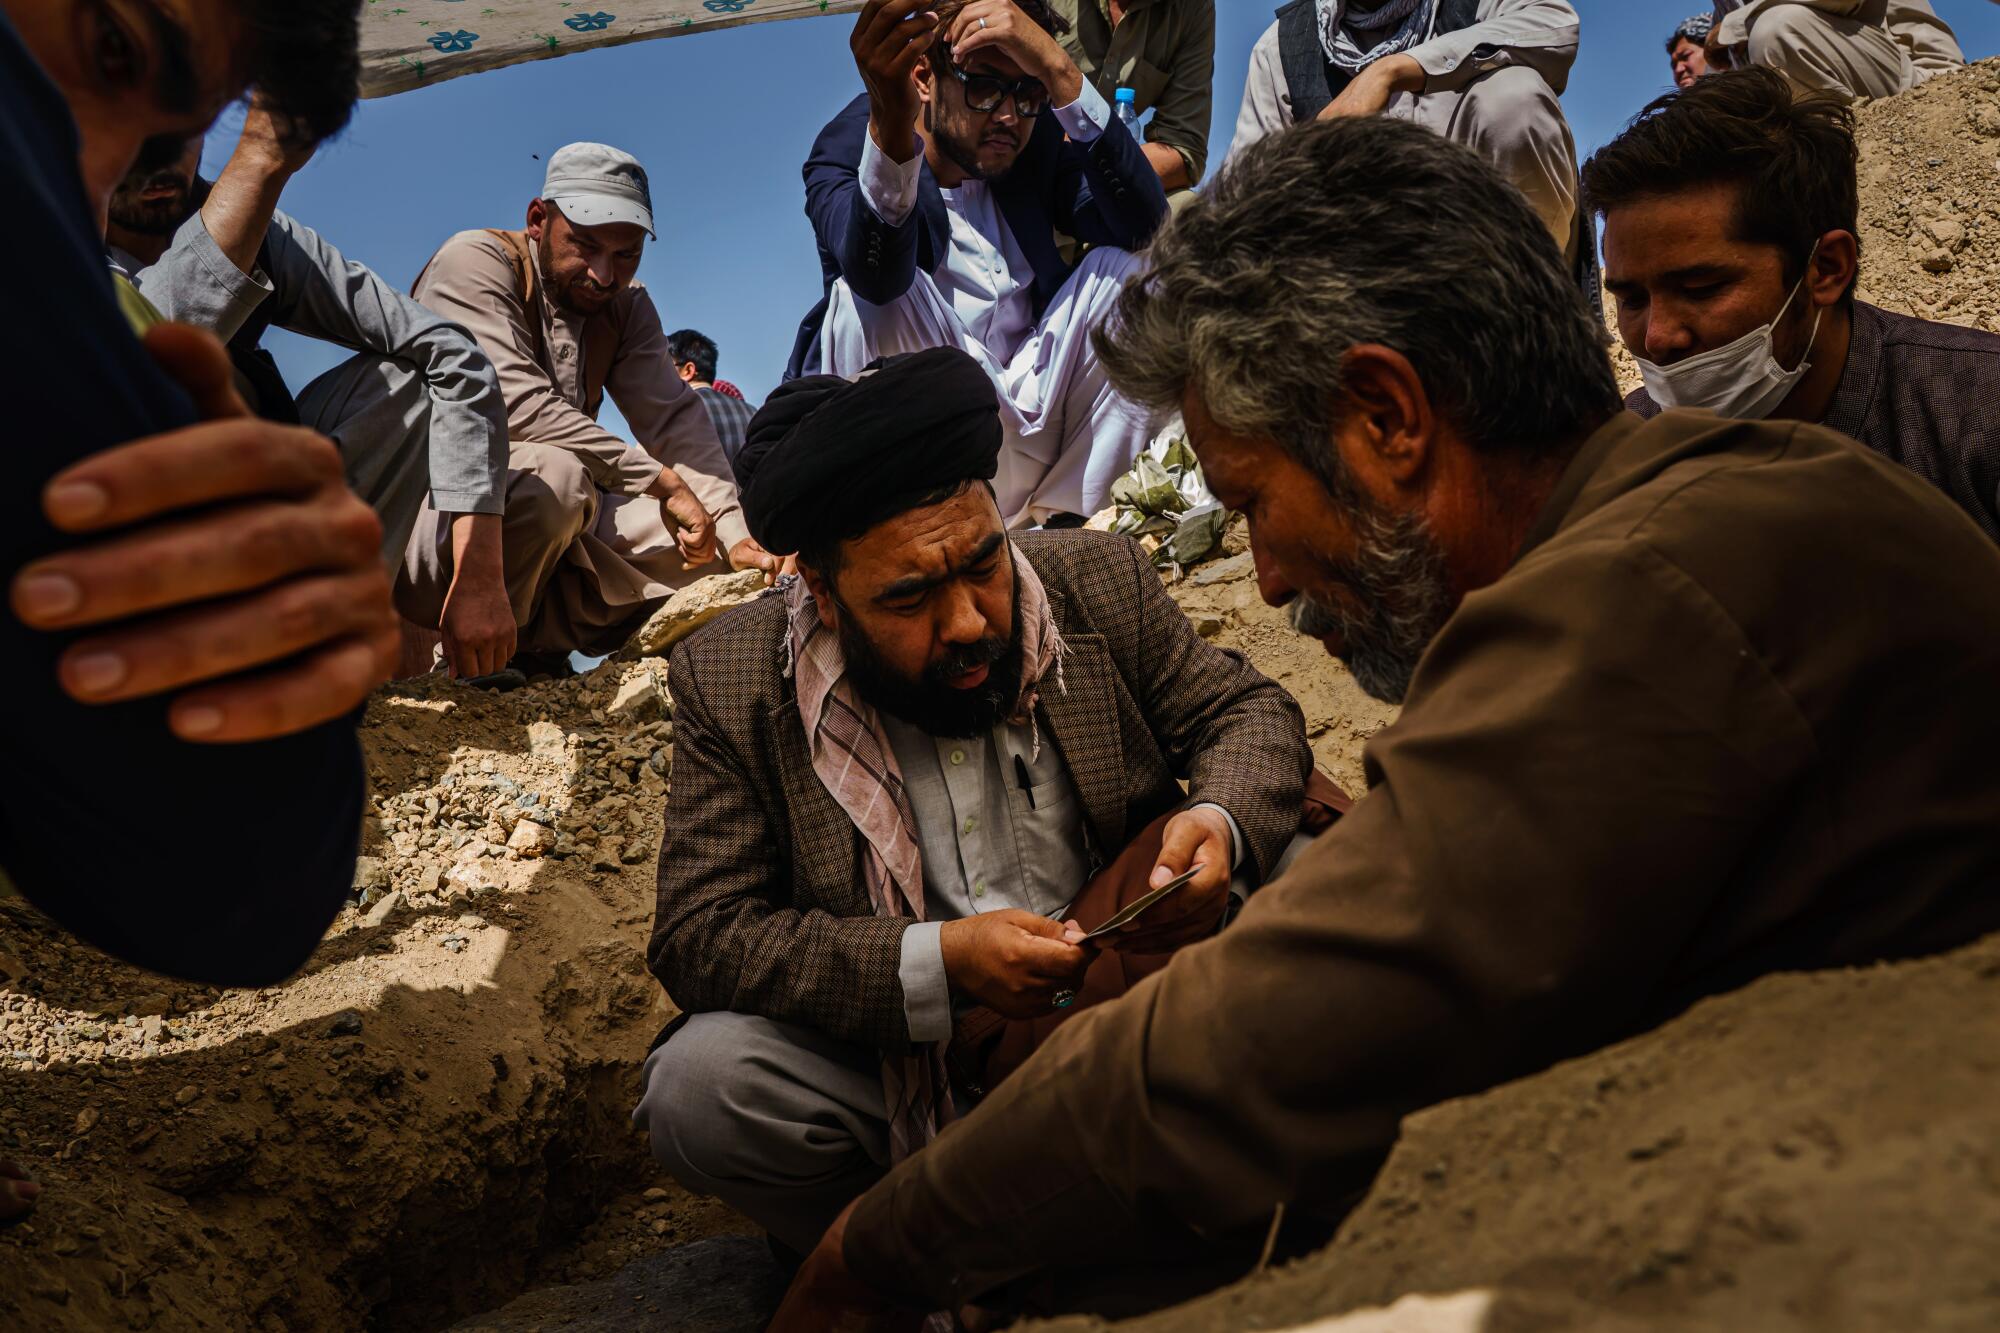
(1126, 915)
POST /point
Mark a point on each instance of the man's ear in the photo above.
(538, 218)
(822, 590)
(1834, 264)
(1387, 426)
(926, 80)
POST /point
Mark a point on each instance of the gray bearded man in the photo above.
(1685, 701)
(891, 784)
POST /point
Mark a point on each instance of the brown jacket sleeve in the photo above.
(724, 934)
(669, 421)
(472, 282)
(1490, 905)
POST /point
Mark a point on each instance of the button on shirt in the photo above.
(987, 844)
(985, 275)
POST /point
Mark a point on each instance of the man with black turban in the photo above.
(892, 781)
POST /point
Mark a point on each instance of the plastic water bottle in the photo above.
(1124, 112)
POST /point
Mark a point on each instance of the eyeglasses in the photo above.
(983, 92)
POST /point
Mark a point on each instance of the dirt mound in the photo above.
(432, 1116)
(421, 1121)
(1930, 199)
(1815, 1152)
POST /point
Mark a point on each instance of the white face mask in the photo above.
(1741, 379)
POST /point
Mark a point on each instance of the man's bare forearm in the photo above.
(1168, 165)
(475, 548)
(239, 208)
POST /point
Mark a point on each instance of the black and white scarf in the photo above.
(1355, 40)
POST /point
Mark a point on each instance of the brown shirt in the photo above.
(555, 369)
(1730, 712)
(1164, 51)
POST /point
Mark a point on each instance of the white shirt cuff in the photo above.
(1235, 832)
(1085, 118)
(887, 186)
(926, 993)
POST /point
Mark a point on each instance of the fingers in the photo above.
(200, 465)
(222, 638)
(326, 684)
(182, 561)
(200, 364)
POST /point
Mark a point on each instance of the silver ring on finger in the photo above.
(1063, 999)
(982, 24)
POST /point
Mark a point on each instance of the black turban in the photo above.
(824, 455)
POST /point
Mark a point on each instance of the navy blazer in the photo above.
(1104, 193)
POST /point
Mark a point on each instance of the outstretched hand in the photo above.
(1197, 837)
(232, 566)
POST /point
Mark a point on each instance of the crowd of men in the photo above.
(1025, 963)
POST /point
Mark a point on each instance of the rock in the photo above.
(531, 839)
(380, 913)
(639, 699)
(1224, 571)
(370, 872)
(607, 855)
(691, 608)
(187, 1095)
(86, 1120)
(639, 850)
(346, 1023)
(152, 1003)
(455, 943)
(1985, 118)
(152, 1027)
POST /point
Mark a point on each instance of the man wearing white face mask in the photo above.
(1731, 244)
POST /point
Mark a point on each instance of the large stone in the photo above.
(531, 839)
(691, 608)
(640, 699)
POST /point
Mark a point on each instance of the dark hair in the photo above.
(685, 345)
(1362, 230)
(1790, 155)
(1044, 17)
(823, 553)
(304, 57)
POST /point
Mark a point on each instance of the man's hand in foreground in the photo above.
(888, 39)
(18, 1194)
(1370, 90)
(478, 623)
(999, 27)
(1014, 962)
(694, 530)
(1197, 837)
(747, 554)
(826, 1298)
(236, 561)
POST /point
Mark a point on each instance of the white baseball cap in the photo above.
(595, 184)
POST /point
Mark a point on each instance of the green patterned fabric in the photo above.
(407, 44)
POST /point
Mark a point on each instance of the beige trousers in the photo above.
(1853, 57)
(584, 567)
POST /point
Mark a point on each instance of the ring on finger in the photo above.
(982, 24)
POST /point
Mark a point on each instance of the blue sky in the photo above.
(722, 121)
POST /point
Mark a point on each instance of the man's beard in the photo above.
(930, 704)
(158, 165)
(1397, 575)
(963, 155)
(563, 293)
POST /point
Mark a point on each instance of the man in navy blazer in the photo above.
(937, 197)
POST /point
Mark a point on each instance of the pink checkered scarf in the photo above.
(853, 758)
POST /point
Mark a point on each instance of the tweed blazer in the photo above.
(762, 905)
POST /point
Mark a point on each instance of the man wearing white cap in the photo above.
(597, 532)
